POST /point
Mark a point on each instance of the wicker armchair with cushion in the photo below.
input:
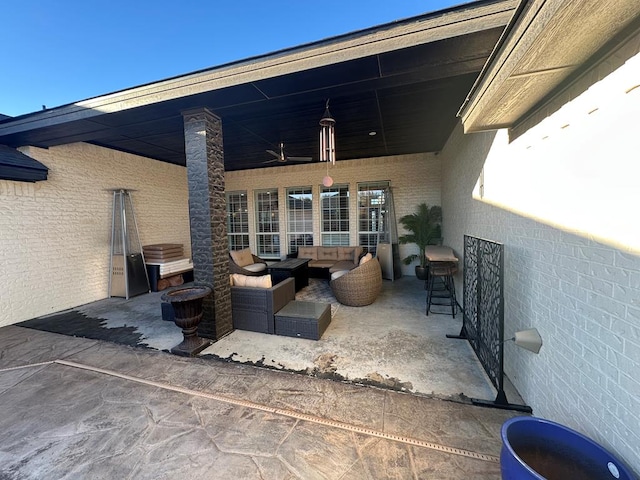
(245, 263)
(360, 286)
(253, 308)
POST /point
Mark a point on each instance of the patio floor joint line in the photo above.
(286, 413)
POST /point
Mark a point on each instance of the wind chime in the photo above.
(327, 143)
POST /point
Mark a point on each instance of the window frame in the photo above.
(297, 237)
(267, 229)
(342, 233)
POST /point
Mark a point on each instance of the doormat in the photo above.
(76, 324)
(319, 291)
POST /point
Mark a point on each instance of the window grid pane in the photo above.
(300, 217)
(237, 220)
(267, 223)
(335, 215)
(371, 218)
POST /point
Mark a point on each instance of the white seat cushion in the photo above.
(255, 267)
(338, 274)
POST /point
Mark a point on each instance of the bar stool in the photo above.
(440, 285)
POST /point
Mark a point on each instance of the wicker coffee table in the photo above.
(297, 268)
(303, 319)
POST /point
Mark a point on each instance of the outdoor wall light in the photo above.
(528, 339)
(327, 137)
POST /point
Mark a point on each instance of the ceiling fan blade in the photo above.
(300, 159)
(271, 161)
(277, 155)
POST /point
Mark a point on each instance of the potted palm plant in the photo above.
(425, 228)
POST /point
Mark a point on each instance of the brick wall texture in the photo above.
(581, 294)
(54, 235)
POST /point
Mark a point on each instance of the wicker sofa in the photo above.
(360, 286)
(253, 308)
(327, 260)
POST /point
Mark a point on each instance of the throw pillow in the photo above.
(366, 258)
(263, 281)
(242, 258)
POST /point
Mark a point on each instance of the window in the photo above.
(267, 224)
(237, 220)
(334, 205)
(300, 218)
(371, 214)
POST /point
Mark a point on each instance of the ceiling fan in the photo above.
(282, 158)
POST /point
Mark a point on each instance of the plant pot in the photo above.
(187, 308)
(538, 449)
(422, 272)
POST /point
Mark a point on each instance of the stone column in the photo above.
(207, 216)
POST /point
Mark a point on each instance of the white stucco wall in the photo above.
(54, 235)
(414, 179)
(563, 199)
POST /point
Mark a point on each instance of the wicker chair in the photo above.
(235, 268)
(254, 308)
(361, 286)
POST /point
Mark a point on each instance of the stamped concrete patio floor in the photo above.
(81, 408)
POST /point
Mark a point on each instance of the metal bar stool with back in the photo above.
(443, 265)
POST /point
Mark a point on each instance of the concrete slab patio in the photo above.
(79, 408)
(390, 344)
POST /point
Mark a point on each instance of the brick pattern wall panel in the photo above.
(54, 235)
(580, 294)
(414, 179)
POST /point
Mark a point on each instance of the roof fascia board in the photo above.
(505, 60)
(488, 104)
(608, 63)
(455, 22)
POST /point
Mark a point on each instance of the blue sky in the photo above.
(61, 51)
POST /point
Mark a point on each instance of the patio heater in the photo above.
(128, 274)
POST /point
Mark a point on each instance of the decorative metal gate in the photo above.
(483, 319)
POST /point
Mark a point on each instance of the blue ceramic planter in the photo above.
(538, 449)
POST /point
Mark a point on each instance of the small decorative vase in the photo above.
(187, 307)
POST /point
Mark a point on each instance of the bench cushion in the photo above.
(321, 263)
(308, 252)
(342, 265)
(328, 253)
(256, 267)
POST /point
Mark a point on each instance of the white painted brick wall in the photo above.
(582, 295)
(414, 179)
(54, 235)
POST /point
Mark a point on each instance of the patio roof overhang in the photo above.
(17, 166)
(546, 47)
(404, 80)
